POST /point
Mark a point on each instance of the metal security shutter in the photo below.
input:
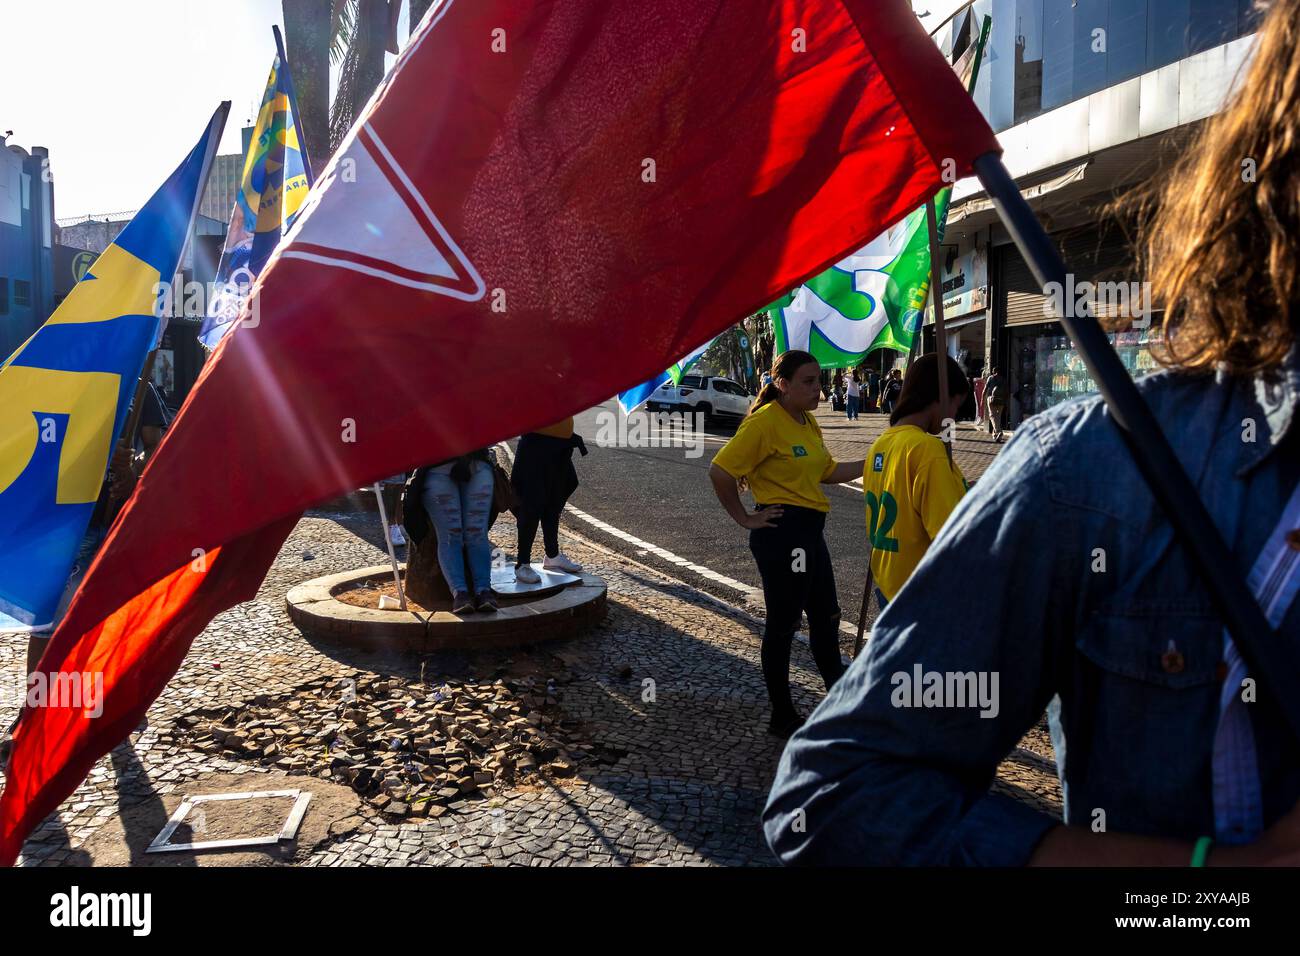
(1091, 256)
(1099, 257)
(1024, 296)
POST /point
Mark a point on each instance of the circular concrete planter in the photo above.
(554, 613)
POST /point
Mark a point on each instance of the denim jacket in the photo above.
(1059, 574)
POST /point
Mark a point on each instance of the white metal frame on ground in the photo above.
(287, 832)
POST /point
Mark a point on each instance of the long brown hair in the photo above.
(786, 364)
(921, 386)
(1220, 239)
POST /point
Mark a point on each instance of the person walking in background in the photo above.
(854, 394)
(543, 479)
(910, 484)
(995, 391)
(1142, 686)
(873, 390)
(457, 496)
(779, 451)
(892, 387)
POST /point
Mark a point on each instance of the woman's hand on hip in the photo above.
(764, 518)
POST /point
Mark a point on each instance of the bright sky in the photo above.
(120, 91)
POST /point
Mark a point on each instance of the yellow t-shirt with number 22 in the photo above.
(910, 488)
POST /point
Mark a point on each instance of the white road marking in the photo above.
(668, 556)
(647, 547)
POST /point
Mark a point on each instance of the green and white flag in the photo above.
(876, 297)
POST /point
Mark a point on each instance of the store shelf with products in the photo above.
(1047, 369)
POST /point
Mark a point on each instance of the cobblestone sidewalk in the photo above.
(973, 447)
(671, 681)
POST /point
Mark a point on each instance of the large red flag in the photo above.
(573, 193)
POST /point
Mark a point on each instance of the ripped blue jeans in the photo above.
(460, 515)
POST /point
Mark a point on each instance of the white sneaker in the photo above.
(561, 563)
(526, 574)
(395, 536)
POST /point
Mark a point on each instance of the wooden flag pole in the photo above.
(388, 540)
(866, 605)
(941, 347)
(940, 338)
(132, 430)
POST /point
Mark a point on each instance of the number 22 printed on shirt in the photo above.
(880, 533)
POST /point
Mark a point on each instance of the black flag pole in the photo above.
(1155, 458)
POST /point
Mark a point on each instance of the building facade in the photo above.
(26, 243)
(180, 357)
(1090, 99)
(223, 186)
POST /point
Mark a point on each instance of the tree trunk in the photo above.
(425, 584)
(307, 42)
(362, 69)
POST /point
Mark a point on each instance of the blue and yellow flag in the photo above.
(634, 398)
(65, 392)
(277, 178)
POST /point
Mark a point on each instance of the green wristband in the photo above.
(1202, 851)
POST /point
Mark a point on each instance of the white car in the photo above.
(713, 395)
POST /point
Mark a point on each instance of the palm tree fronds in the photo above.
(362, 68)
(343, 28)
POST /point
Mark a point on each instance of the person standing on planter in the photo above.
(543, 479)
(457, 495)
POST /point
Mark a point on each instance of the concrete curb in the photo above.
(313, 607)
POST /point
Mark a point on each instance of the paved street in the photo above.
(668, 690)
(663, 496)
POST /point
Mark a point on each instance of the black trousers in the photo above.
(798, 578)
(527, 522)
(543, 479)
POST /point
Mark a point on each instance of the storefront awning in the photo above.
(982, 204)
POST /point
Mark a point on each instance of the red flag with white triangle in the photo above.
(546, 189)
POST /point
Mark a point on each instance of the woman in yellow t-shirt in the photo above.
(910, 484)
(779, 451)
